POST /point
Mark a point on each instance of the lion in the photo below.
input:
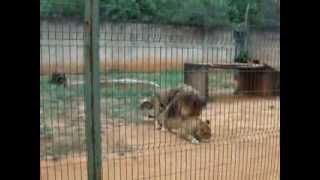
(190, 129)
(181, 102)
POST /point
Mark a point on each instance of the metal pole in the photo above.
(92, 89)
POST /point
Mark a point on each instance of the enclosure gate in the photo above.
(92, 83)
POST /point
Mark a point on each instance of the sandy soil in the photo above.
(245, 145)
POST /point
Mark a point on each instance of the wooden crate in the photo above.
(253, 79)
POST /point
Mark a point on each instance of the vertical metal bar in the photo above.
(92, 89)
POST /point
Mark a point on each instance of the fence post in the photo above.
(92, 89)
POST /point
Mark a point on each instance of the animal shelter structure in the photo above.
(266, 79)
(107, 82)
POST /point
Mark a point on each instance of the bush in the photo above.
(187, 12)
(270, 13)
(243, 57)
(237, 10)
(54, 8)
(205, 13)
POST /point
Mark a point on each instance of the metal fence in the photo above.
(136, 60)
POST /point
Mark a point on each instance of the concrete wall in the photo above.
(141, 47)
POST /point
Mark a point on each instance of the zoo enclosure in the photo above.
(245, 144)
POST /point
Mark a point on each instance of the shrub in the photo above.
(186, 12)
(243, 57)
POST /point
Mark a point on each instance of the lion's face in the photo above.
(203, 131)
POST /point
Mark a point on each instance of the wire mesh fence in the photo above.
(138, 60)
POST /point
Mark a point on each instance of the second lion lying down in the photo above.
(193, 130)
(178, 110)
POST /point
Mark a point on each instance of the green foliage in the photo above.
(261, 12)
(270, 13)
(55, 8)
(237, 11)
(55, 100)
(243, 57)
(206, 13)
(187, 12)
(119, 10)
(124, 103)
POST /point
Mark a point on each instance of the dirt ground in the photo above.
(139, 65)
(245, 145)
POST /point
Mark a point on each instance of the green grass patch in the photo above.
(119, 104)
(123, 104)
(55, 99)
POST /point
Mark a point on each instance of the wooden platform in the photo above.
(253, 79)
